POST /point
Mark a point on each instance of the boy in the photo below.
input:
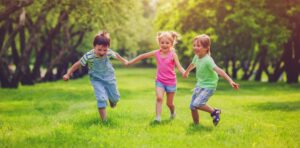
(101, 72)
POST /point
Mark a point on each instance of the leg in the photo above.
(159, 99)
(101, 97)
(206, 108)
(102, 113)
(195, 116)
(170, 102)
(113, 94)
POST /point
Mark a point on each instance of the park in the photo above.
(259, 48)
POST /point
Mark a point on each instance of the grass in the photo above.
(64, 114)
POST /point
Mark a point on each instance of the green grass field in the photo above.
(64, 114)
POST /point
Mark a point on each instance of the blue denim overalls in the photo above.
(102, 76)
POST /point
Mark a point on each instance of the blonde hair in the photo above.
(204, 40)
(171, 35)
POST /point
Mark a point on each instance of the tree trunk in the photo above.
(291, 63)
(23, 69)
(13, 7)
(47, 46)
(234, 69)
(262, 63)
(2, 35)
(6, 78)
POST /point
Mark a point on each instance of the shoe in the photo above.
(157, 120)
(216, 116)
(112, 105)
(172, 116)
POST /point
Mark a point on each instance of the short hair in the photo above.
(102, 39)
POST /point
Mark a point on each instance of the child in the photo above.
(207, 78)
(101, 72)
(166, 59)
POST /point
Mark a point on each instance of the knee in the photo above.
(193, 108)
(159, 99)
(170, 104)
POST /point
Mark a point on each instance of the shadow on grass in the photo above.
(163, 122)
(196, 129)
(282, 106)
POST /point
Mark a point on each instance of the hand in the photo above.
(235, 85)
(66, 77)
(185, 75)
(126, 63)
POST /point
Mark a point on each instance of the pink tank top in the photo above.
(165, 68)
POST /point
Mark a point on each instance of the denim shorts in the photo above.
(167, 88)
(104, 91)
(200, 97)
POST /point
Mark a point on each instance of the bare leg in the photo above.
(170, 102)
(195, 116)
(159, 99)
(102, 113)
(206, 108)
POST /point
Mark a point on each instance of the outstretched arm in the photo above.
(178, 65)
(188, 70)
(142, 56)
(121, 59)
(74, 67)
(223, 74)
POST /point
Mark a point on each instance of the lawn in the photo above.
(64, 114)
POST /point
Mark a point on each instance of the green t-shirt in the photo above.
(205, 74)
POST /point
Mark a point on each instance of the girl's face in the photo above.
(199, 49)
(165, 44)
(100, 50)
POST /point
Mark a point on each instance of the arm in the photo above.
(188, 70)
(223, 74)
(121, 59)
(178, 65)
(74, 67)
(141, 57)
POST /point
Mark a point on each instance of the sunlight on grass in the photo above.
(64, 114)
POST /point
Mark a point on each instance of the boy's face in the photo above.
(165, 44)
(100, 50)
(198, 48)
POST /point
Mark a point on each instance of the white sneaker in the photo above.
(172, 116)
(157, 119)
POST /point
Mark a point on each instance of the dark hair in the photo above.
(102, 39)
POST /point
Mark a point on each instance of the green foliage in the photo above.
(64, 114)
(235, 29)
(130, 29)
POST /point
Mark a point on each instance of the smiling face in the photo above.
(165, 44)
(100, 50)
(199, 49)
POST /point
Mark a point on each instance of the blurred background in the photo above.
(257, 40)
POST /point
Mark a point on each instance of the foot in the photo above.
(104, 120)
(216, 116)
(112, 105)
(157, 120)
(172, 116)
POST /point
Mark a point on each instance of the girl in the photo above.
(166, 59)
(207, 78)
(101, 72)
